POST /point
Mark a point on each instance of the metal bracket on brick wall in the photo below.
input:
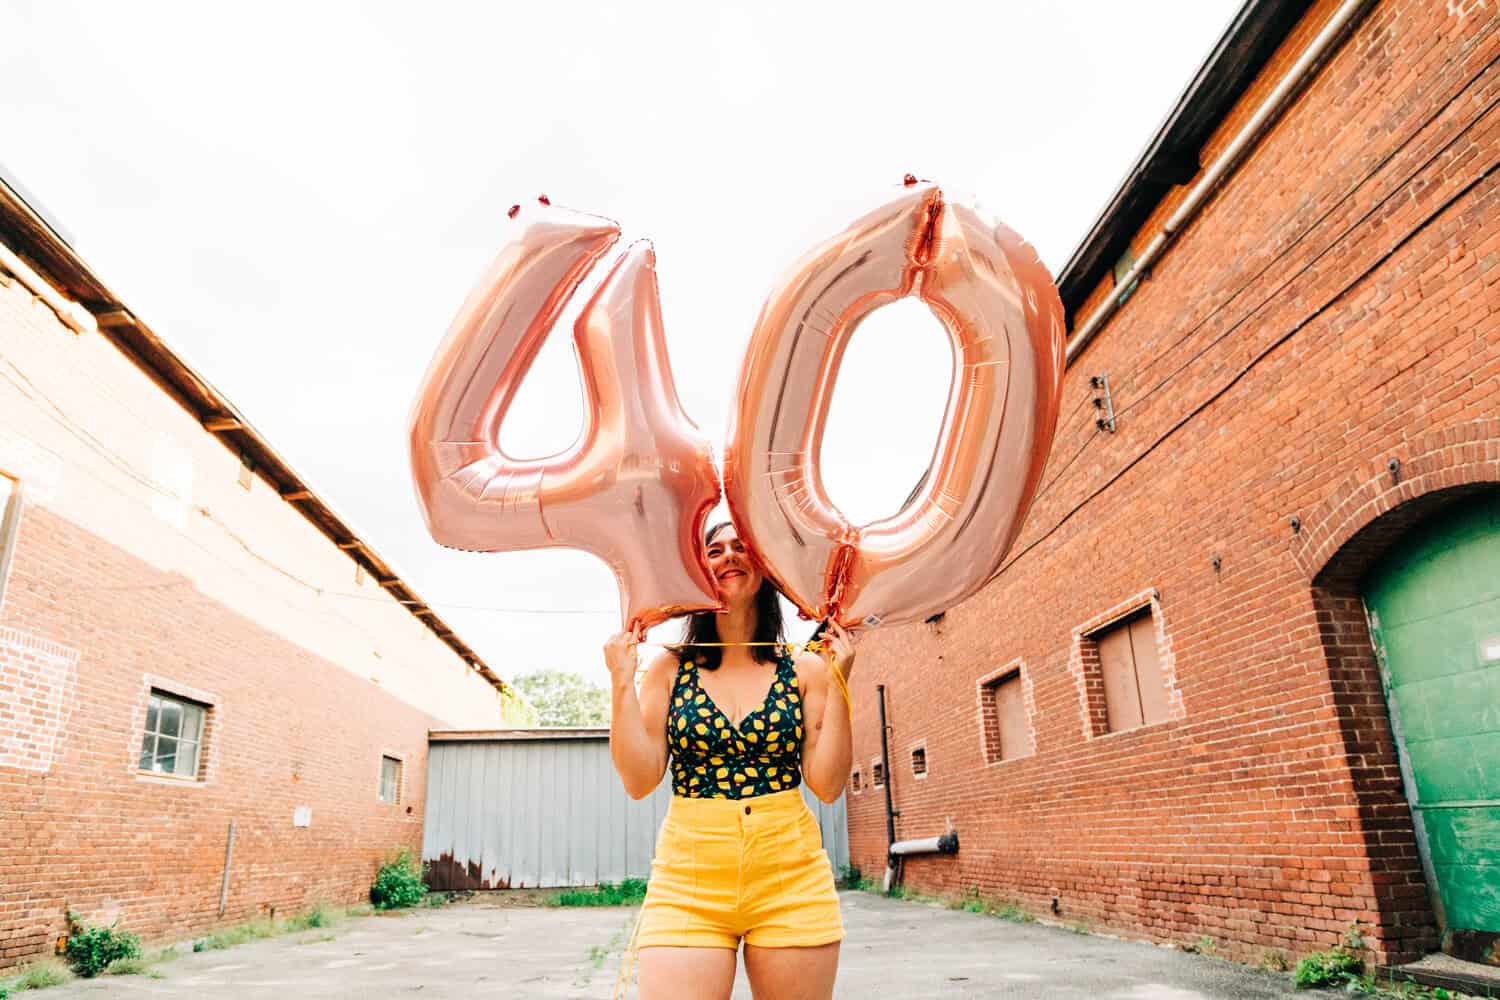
(1103, 403)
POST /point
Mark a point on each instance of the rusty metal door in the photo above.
(539, 808)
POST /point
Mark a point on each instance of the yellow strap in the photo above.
(627, 960)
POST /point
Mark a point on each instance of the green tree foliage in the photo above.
(563, 698)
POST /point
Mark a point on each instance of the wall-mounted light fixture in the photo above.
(1103, 403)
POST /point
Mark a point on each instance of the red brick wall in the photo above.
(83, 829)
(1335, 306)
(130, 572)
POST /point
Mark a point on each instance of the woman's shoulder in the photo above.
(662, 670)
(811, 669)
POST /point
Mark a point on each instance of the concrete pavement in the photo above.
(487, 946)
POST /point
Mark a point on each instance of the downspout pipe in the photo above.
(1280, 98)
(885, 759)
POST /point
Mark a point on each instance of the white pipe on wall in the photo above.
(1275, 102)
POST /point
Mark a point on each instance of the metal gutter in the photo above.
(1281, 97)
(518, 735)
(1171, 157)
(44, 253)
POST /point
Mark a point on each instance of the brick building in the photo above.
(1165, 717)
(194, 649)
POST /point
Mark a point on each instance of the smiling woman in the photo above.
(744, 724)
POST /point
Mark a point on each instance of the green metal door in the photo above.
(1434, 606)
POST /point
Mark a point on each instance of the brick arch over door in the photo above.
(1432, 471)
(1341, 541)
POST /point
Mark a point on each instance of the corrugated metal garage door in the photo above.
(532, 808)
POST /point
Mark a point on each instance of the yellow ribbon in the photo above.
(627, 960)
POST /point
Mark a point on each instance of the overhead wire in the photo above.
(1280, 256)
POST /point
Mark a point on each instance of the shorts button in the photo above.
(747, 810)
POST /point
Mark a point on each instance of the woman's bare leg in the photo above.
(686, 973)
(792, 973)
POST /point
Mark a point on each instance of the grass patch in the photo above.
(627, 893)
(39, 977)
(318, 916)
(129, 967)
(972, 902)
(1013, 912)
(255, 930)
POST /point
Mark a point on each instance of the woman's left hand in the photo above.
(838, 649)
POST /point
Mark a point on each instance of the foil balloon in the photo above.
(1002, 312)
(636, 487)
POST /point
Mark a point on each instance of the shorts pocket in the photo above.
(810, 833)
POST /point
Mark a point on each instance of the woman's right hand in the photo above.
(621, 657)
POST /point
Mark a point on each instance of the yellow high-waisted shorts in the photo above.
(727, 869)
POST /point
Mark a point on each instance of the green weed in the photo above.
(1339, 966)
(627, 893)
(90, 950)
(850, 877)
(398, 884)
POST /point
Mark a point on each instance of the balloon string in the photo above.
(627, 960)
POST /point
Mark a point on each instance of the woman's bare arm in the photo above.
(827, 741)
(638, 722)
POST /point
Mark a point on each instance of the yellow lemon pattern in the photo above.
(713, 758)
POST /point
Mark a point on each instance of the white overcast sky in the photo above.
(298, 196)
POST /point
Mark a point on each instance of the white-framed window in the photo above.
(390, 778)
(173, 741)
(10, 519)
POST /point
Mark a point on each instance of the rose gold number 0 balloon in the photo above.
(1001, 309)
(637, 486)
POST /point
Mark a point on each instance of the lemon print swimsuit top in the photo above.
(712, 758)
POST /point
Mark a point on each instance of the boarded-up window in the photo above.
(10, 517)
(1007, 733)
(1134, 694)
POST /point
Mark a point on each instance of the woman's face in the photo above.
(734, 571)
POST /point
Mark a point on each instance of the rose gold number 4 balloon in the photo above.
(637, 486)
(639, 483)
(1001, 309)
